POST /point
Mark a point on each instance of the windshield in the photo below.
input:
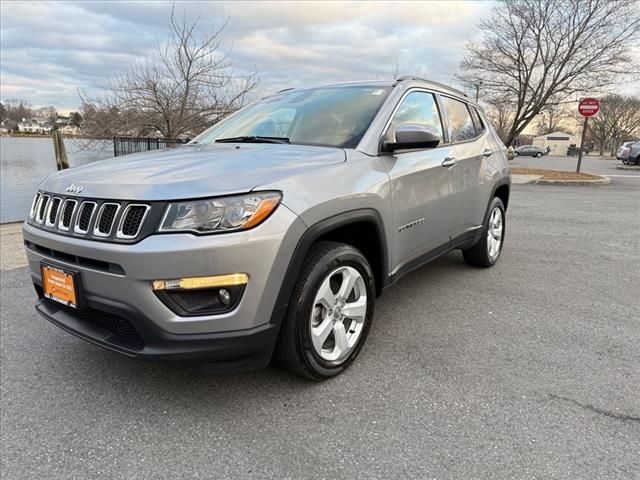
(327, 116)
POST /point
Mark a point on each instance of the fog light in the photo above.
(225, 296)
(230, 280)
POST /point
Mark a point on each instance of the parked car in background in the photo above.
(529, 151)
(623, 151)
(633, 157)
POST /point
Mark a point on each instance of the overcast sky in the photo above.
(50, 49)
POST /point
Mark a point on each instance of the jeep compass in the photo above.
(271, 234)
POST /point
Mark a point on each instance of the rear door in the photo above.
(472, 148)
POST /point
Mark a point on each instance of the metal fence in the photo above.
(127, 145)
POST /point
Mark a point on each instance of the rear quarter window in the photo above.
(459, 121)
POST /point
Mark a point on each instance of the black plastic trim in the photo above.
(167, 297)
(309, 237)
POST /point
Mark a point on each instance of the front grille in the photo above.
(105, 220)
(106, 216)
(123, 331)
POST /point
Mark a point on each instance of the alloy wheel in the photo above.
(338, 314)
(494, 233)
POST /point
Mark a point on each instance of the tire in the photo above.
(315, 340)
(480, 255)
(538, 155)
(515, 154)
(638, 160)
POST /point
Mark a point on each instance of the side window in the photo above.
(477, 120)
(420, 108)
(460, 124)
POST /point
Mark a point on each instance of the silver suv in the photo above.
(271, 233)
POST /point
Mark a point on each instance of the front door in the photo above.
(420, 186)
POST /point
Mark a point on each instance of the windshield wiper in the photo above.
(253, 139)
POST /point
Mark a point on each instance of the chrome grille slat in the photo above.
(42, 208)
(105, 219)
(32, 210)
(52, 212)
(82, 221)
(68, 208)
(129, 227)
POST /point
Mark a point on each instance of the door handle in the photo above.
(487, 152)
(449, 162)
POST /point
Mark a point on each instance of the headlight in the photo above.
(226, 214)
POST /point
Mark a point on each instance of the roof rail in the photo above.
(412, 77)
(285, 89)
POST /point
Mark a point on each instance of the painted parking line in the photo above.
(623, 176)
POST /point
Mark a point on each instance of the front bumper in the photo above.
(124, 294)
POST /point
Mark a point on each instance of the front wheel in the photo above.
(487, 251)
(538, 154)
(329, 314)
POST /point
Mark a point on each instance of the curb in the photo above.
(600, 181)
(628, 167)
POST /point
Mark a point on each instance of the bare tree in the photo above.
(537, 51)
(49, 114)
(500, 113)
(618, 120)
(552, 118)
(185, 87)
(16, 110)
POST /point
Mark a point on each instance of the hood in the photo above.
(191, 171)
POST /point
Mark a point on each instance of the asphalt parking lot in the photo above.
(527, 370)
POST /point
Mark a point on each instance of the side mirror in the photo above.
(412, 135)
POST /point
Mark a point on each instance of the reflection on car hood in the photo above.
(191, 171)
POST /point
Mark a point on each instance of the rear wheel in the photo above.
(487, 251)
(330, 312)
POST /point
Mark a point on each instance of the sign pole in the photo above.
(584, 133)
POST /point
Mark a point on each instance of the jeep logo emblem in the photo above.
(73, 188)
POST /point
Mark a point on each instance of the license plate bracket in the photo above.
(61, 285)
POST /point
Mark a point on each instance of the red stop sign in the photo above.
(588, 107)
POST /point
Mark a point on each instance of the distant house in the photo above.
(63, 121)
(69, 130)
(558, 143)
(33, 126)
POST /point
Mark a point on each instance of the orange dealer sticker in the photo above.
(59, 285)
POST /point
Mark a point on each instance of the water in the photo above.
(26, 161)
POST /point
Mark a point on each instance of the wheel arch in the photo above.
(355, 228)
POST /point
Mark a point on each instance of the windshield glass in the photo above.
(327, 116)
